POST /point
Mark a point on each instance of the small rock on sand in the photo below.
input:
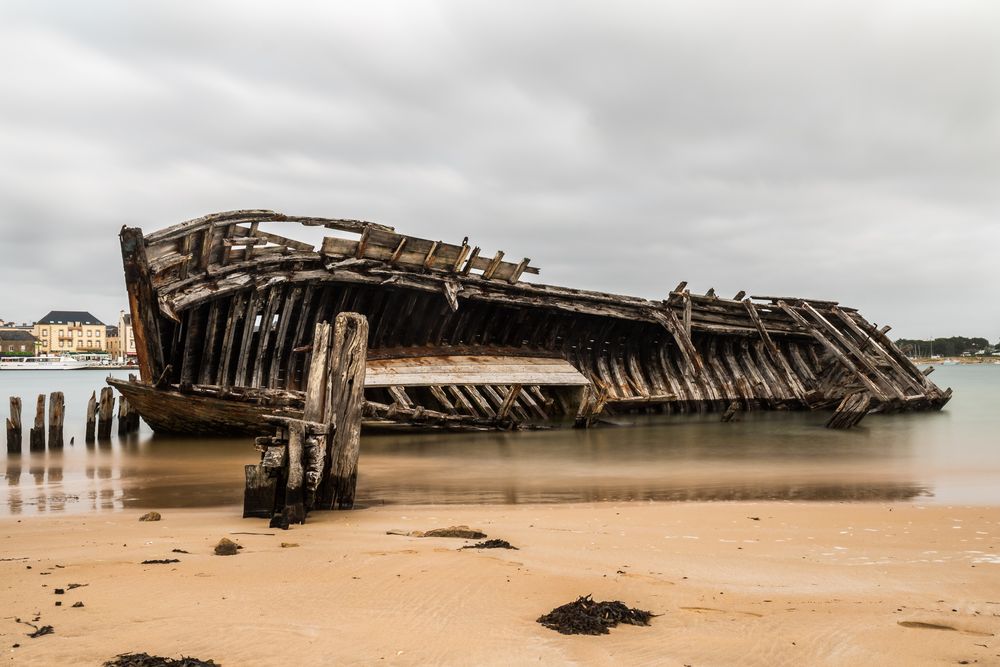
(150, 516)
(289, 545)
(226, 547)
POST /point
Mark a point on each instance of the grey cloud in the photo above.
(842, 150)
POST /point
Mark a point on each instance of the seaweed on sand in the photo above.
(146, 660)
(586, 617)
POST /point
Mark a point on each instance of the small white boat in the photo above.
(63, 363)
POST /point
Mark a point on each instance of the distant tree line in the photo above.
(954, 346)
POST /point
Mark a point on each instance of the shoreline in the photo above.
(965, 361)
(770, 582)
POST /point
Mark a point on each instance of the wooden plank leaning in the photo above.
(344, 405)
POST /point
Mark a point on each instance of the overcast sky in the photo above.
(837, 150)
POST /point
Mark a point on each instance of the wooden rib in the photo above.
(772, 350)
(873, 340)
(668, 319)
(462, 401)
(206, 372)
(477, 399)
(400, 397)
(429, 258)
(193, 343)
(531, 398)
(442, 398)
(207, 237)
(281, 357)
(508, 401)
(462, 253)
(274, 299)
(862, 358)
(398, 251)
(493, 265)
(518, 270)
(471, 261)
(237, 312)
(833, 349)
(359, 252)
(253, 306)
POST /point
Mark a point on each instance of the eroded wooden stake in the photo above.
(91, 417)
(37, 434)
(105, 413)
(57, 411)
(14, 426)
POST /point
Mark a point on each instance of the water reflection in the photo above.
(947, 456)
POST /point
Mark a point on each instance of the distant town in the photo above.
(69, 332)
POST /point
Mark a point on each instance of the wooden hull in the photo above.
(169, 411)
(220, 302)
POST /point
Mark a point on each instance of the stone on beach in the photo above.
(150, 516)
(226, 547)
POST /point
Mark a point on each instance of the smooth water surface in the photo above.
(947, 457)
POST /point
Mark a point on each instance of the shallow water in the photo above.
(946, 457)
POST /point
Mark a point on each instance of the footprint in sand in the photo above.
(939, 626)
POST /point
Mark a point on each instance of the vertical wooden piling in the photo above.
(344, 401)
(128, 418)
(295, 511)
(37, 434)
(57, 411)
(105, 413)
(91, 417)
(14, 426)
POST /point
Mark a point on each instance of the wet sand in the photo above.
(735, 583)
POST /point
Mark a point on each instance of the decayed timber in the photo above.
(90, 431)
(319, 452)
(224, 307)
(37, 433)
(851, 410)
(14, 433)
(57, 411)
(105, 413)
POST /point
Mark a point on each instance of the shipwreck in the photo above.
(225, 308)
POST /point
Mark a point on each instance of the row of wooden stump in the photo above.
(100, 415)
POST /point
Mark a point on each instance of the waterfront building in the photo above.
(17, 342)
(65, 331)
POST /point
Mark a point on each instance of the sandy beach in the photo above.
(733, 583)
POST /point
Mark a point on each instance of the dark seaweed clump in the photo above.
(491, 544)
(586, 617)
(147, 660)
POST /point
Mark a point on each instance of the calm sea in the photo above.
(943, 457)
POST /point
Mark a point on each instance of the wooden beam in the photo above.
(143, 304)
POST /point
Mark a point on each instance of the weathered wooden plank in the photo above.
(57, 412)
(143, 303)
(14, 429)
(345, 399)
(105, 413)
(90, 432)
(207, 367)
(37, 433)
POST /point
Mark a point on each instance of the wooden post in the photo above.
(123, 412)
(91, 417)
(37, 434)
(14, 426)
(295, 511)
(345, 400)
(57, 411)
(105, 413)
